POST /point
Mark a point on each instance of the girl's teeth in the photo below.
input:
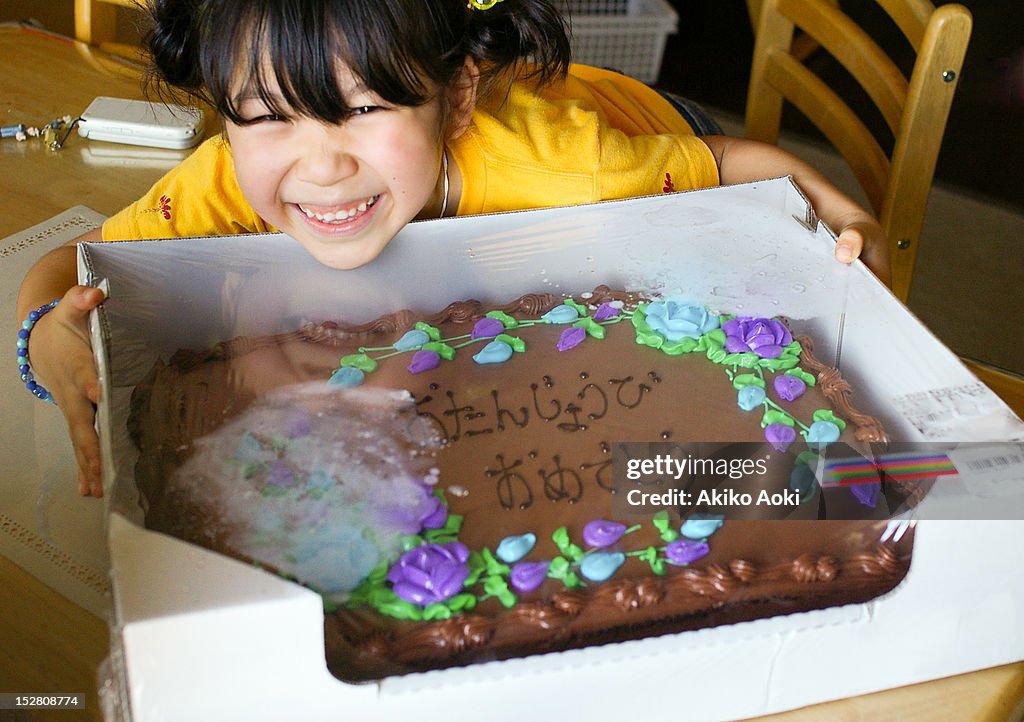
(341, 215)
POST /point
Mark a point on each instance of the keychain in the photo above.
(49, 133)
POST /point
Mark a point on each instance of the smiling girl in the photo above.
(344, 120)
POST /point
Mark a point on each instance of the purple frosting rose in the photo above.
(789, 388)
(601, 533)
(433, 513)
(686, 551)
(425, 511)
(766, 337)
(281, 475)
(571, 338)
(780, 436)
(527, 576)
(424, 360)
(430, 573)
(487, 328)
(606, 311)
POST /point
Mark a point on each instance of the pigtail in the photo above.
(174, 46)
(527, 39)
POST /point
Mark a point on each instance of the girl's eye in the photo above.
(268, 118)
(365, 109)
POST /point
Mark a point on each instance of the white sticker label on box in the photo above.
(990, 470)
(964, 413)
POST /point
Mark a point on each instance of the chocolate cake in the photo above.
(446, 481)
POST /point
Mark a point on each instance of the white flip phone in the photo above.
(140, 122)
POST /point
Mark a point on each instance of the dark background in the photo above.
(708, 60)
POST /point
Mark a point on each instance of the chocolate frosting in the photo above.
(527, 448)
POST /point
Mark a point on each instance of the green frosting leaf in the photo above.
(747, 360)
(580, 308)
(506, 320)
(717, 354)
(807, 378)
(498, 587)
(780, 363)
(411, 541)
(477, 566)
(435, 611)
(716, 337)
(651, 339)
(518, 345)
(442, 349)
(571, 581)
(771, 416)
(439, 536)
(461, 602)
(253, 468)
(592, 327)
(744, 380)
(432, 332)
(573, 552)
(401, 609)
(661, 521)
(683, 345)
(558, 568)
(359, 361)
(827, 415)
(493, 566)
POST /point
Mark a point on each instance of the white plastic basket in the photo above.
(624, 35)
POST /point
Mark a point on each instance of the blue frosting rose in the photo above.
(676, 320)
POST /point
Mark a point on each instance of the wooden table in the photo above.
(46, 77)
(48, 644)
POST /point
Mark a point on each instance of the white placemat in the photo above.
(45, 526)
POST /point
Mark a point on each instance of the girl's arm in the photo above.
(61, 353)
(860, 235)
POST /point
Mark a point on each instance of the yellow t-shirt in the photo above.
(595, 136)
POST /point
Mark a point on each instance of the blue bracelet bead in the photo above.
(24, 368)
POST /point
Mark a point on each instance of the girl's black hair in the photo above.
(399, 49)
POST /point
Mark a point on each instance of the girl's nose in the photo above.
(323, 154)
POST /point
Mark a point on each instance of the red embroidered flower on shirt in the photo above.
(669, 187)
(163, 209)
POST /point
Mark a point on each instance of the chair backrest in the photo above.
(96, 24)
(915, 109)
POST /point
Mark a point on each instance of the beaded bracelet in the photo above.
(23, 364)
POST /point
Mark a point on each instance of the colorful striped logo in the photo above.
(859, 470)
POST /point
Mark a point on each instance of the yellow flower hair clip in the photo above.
(482, 4)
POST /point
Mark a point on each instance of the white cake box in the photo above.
(199, 636)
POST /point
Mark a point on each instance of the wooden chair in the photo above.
(96, 26)
(915, 109)
(803, 45)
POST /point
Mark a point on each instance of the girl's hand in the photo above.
(61, 355)
(862, 237)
